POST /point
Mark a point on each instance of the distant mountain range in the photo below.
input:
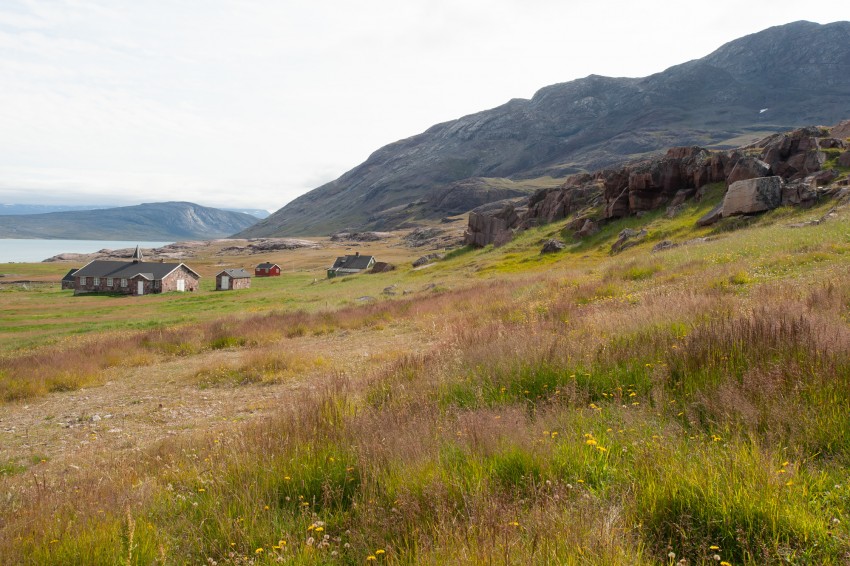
(16, 209)
(146, 222)
(783, 77)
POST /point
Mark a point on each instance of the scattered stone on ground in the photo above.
(626, 239)
(427, 258)
(348, 236)
(552, 246)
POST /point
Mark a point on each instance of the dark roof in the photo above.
(266, 265)
(235, 273)
(352, 262)
(128, 269)
(70, 275)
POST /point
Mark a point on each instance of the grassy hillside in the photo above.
(682, 407)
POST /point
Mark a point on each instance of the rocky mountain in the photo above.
(775, 80)
(147, 222)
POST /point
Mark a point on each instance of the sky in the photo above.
(251, 103)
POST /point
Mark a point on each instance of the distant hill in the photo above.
(256, 212)
(15, 209)
(783, 77)
(154, 221)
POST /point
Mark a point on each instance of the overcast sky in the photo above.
(250, 103)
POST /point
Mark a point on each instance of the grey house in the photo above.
(350, 264)
(231, 279)
(136, 277)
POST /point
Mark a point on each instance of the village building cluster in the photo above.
(139, 277)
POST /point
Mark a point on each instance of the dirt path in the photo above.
(139, 406)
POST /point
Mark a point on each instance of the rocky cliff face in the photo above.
(782, 169)
(780, 78)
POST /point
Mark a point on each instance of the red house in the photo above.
(267, 270)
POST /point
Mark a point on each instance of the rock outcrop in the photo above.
(491, 224)
(795, 154)
(782, 169)
(752, 195)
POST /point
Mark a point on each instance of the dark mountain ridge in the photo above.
(783, 77)
(151, 221)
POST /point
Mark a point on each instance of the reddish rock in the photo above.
(844, 159)
(821, 178)
(548, 205)
(616, 185)
(797, 193)
(829, 143)
(748, 168)
(491, 224)
(796, 153)
(841, 130)
(589, 228)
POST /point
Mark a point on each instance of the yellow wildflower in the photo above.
(259, 550)
(380, 551)
(370, 558)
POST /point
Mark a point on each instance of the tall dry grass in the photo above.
(551, 423)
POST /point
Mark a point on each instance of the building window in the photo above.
(109, 281)
(82, 280)
(96, 281)
(123, 282)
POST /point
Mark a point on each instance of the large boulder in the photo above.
(841, 130)
(627, 238)
(799, 193)
(552, 246)
(712, 216)
(491, 224)
(753, 195)
(747, 168)
(844, 159)
(796, 153)
(549, 205)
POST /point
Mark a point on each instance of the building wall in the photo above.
(241, 283)
(169, 283)
(151, 287)
(272, 272)
(156, 286)
(101, 287)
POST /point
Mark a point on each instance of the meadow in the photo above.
(690, 406)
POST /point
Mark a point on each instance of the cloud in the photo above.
(253, 102)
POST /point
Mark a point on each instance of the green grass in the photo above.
(576, 408)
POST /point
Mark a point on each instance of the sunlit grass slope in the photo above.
(682, 407)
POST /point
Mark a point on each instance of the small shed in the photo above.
(267, 270)
(350, 264)
(231, 279)
(68, 282)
